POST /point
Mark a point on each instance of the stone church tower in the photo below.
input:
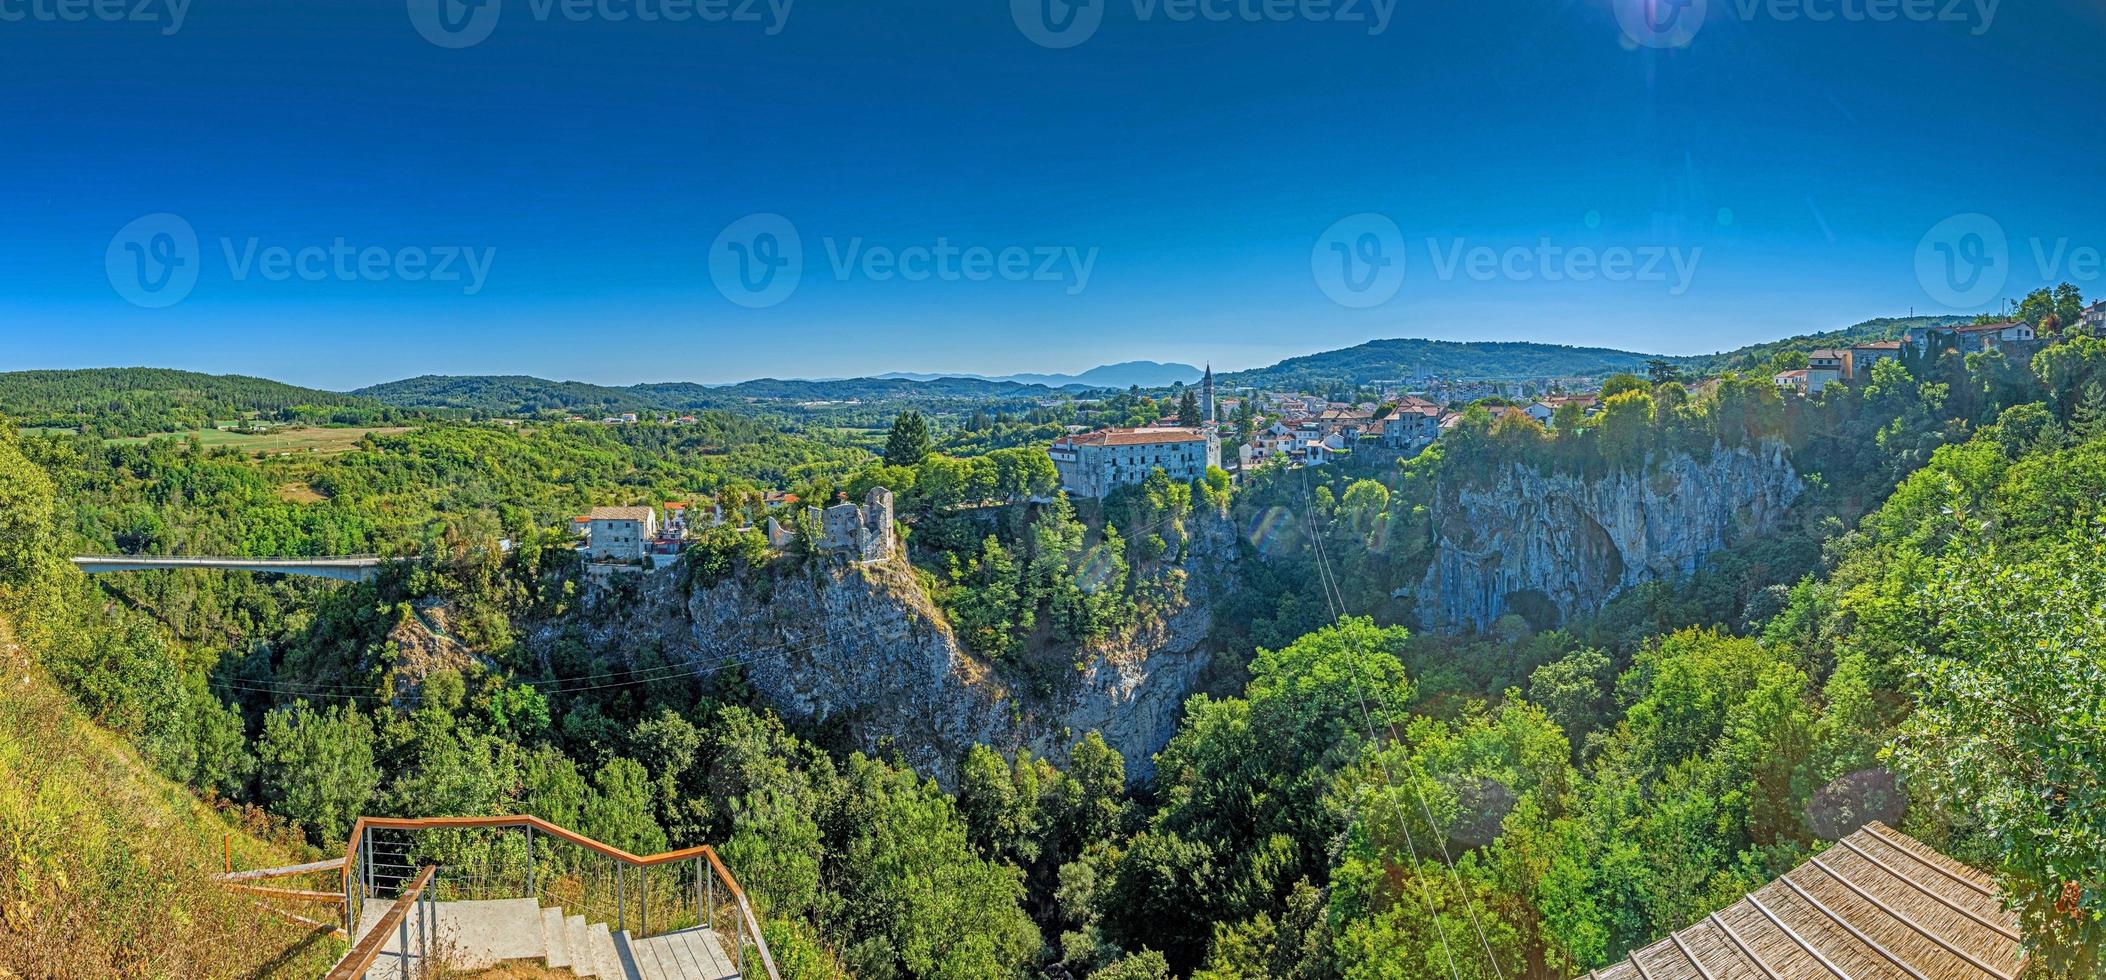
(1206, 397)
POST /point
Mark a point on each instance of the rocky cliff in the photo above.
(1553, 546)
(862, 645)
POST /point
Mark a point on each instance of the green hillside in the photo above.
(1410, 358)
(519, 395)
(140, 401)
(1755, 356)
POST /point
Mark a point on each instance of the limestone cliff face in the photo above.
(1552, 546)
(862, 644)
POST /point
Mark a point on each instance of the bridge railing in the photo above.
(527, 857)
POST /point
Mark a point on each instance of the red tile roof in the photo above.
(1131, 437)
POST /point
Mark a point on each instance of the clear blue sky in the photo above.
(1199, 163)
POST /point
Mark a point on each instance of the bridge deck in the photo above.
(347, 568)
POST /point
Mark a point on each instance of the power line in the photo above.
(1325, 572)
(1334, 600)
(544, 681)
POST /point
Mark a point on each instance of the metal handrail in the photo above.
(355, 963)
(749, 922)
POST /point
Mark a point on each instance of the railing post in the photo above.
(424, 934)
(532, 891)
(402, 944)
(643, 901)
(621, 901)
(698, 893)
(350, 925)
(712, 899)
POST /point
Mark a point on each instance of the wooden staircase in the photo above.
(475, 892)
(479, 934)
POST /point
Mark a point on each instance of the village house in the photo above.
(1864, 356)
(1971, 338)
(1835, 362)
(1411, 429)
(2094, 317)
(1093, 464)
(1992, 336)
(619, 533)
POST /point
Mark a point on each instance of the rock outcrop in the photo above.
(861, 645)
(1553, 546)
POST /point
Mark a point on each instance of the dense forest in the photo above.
(148, 401)
(1354, 800)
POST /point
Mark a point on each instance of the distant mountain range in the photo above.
(132, 400)
(1126, 374)
(523, 395)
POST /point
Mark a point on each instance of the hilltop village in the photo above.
(1239, 431)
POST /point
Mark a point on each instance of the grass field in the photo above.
(300, 440)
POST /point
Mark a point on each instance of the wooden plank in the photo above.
(333, 864)
(294, 894)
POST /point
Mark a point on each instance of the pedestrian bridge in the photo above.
(347, 568)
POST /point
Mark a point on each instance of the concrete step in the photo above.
(578, 946)
(554, 944)
(690, 954)
(470, 935)
(605, 962)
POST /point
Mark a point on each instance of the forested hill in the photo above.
(1756, 355)
(1407, 358)
(521, 395)
(138, 401)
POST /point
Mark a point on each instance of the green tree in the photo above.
(1618, 383)
(908, 443)
(318, 767)
(2007, 726)
(25, 510)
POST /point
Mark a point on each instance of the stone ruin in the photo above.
(862, 533)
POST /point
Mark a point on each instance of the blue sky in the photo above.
(1197, 170)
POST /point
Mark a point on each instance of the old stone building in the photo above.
(862, 532)
(1092, 464)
